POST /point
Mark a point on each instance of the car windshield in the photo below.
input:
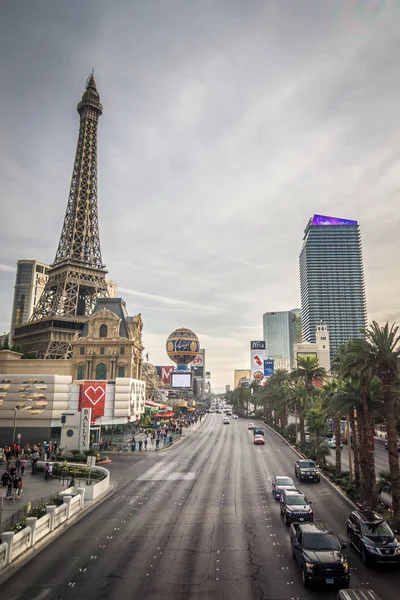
(378, 529)
(317, 541)
(284, 481)
(296, 499)
(307, 464)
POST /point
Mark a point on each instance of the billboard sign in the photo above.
(257, 357)
(181, 379)
(165, 373)
(268, 367)
(198, 361)
(92, 394)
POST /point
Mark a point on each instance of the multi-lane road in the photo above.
(197, 521)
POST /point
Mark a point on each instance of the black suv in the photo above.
(372, 537)
(295, 508)
(306, 470)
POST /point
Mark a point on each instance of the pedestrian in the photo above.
(20, 488)
(145, 444)
(15, 488)
(18, 466)
(101, 445)
(9, 488)
(13, 471)
(72, 482)
(23, 466)
(140, 444)
(157, 443)
(4, 478)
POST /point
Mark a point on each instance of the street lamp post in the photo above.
(15, 424)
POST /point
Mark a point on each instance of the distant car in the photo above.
(259, 439)
(332, 443)
(372, 537)
(398, 446)
(250, 426)
(258, 431)
(281, 483)
(235, 417)
(227, 421)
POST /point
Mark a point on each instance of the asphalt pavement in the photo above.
(196, 521)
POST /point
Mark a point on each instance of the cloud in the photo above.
(7, 268)
(226, 125)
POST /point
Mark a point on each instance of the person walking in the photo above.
(23, 466)
(18, 466)
(140, 445)
(34, 464)
(158, 443)
(145, 444)
(15, 488)
(9, 488)
(4, 478)
(20, 487)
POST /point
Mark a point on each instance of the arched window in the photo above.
(81, 372)
(103, 330)
(101, 371)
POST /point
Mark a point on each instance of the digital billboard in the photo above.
(181, 380)
(325, 220)
(268, 367)
(257, 357)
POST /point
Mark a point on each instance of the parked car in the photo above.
(307, 470)
(281, 483)
(250, 426)
(332, 443)
(398, 446)
(371, 536)
(259, 440)
(295, 508)
(319, 555)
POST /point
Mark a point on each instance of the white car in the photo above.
(227, 421)
(235, 417)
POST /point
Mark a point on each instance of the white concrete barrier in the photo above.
(14, 544)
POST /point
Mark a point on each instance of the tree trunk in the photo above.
(302, 432)
(338, 438)
(356, 449)
(368, 482)
(390, 417)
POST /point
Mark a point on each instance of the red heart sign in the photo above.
(94, 394)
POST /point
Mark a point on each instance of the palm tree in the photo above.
(335, 411)
(379, 354)
(300, 398)
(309, 371)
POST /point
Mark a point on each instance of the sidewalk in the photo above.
(151, 445)
(35, 489)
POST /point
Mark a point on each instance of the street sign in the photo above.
(91, 461)
(19, 437)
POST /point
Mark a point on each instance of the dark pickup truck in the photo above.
(319, 555)
(306, 470)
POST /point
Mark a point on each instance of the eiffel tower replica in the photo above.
(77, 275)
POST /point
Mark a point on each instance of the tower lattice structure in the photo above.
(77, 275)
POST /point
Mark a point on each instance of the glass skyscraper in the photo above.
(282, 329)
(332, 280)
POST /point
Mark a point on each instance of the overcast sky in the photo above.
(226, 125)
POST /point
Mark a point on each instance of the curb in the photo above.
(335, 487)
(21, 561)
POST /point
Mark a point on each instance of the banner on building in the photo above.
(269, 367)
(257, 357)
(75, 430)
(165, 373)
(92, 394)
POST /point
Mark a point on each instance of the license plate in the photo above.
(311, 477)
(301, 519)
(329, 581)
